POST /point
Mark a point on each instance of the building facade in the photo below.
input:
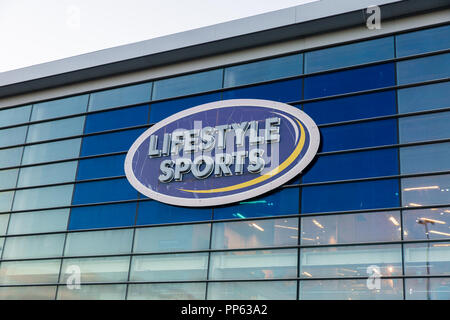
(369, 218)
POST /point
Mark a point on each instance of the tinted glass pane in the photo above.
(173, 238)
(41, 246)
(426, 158)
(422, 191)
(436, 221)
(48, 174)
(429, 97)
(264, 70)
(55, 129)
(139, 93)
(109, 142)
(167, 291)
(98, 242)
(24, 272)
(6, 199)
(349, 54)
(355, 165)
(350, 81)
(10, 157)
(161, 110)
(28, 293)
(350, 196)
(351, 228)
(103, 191)
(8, 178)
(427, 258)
(253, 234)
(43, 197)
(93, 292)
(104, 216)
(423, 41)
(426, 127)
(416, 289)
(270, 290)
(169, 267)
(116, 119)
(423, 69)
(59, 108)
(188, 84)
(153, 212)
(13, 136)
(4, 218)
(53, 151)
(284, 91)
(351, 108)
(38, 221)
(110, 166)
(13, 116)
(280, 202)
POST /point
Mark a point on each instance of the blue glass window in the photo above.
(47, 197)
(161, 110)
(359, 135)
(118, 97)
(350, 196)
(423, 69)
(47, 174)
(425, 127)
(281, 202)
(354, 80)
(422, 41)
(429, 97)
(13, 136)
(103, 216)
(355, 165)
(109, 142)
(284, 91)
(188, 84)
(13, 116)
(426, 158)
(117, 119)
(264, 70)
(423, 191)
(351, 108)
(10, 157)
(110, 166)
(349, 54)
(103, 191)
(52, 151)
(59, 108)
(55, 129)
(8, 178)
(153, 212)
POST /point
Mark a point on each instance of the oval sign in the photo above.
(222, 152)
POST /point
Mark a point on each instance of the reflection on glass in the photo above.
(167, 291)
(423, 69)
(429, 97)
(27, 272)
(422, 41)
(42, 246)
(123, 96)
(427, 289)
(14, 116)
(53, 151)
(8, 178)
(93, 292)
(47, 174)
(38, 221)
(437, 219)
(6, 199)
(12, 136)
(423, 191)
(98, 242)
(261, 290)
(43, 197)
(4, 218)
(425, 158)
(349, 228)
(59, 107)
(28, 293)
(427, 258)
(10, 157)
(425, 127)
(55, 129)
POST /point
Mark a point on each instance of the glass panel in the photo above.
(6, 199)
(103, 216)
(8, 178)
(264, 70)
(425, 127)
(53, 151)
(42, 246)
(350, 261)
(38, 221)
(427, 289)
(43, 197)
(10, 157)
(27, 272)
(426, 158)
(28, 293)
(123, 96)
(13, 136)
(109, 269)
(154, 212)
(422, 191)
(55, 129)
(60, 107)
(4, 218)
(103, 191)
(427, 258)
(349, 54)
(98, 242)
(169, 267)
(167, 291)
(429, 97)
(110, 142)
(253, 234)
(188, 84)
(389, 289)
(93, 292)
(48, 174)
(270, 290)
(353, 80)
(2, 242)
(422, 41)
(351, 228)
(110, 166)
(173, 238)
(14, 116)
(435, 220)
(423, 69)
(351, 196)
(258, 264)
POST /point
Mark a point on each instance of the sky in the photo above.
(37, 31)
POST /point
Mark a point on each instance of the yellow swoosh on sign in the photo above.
(266, 176)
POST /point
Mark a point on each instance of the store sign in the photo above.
(222, 152)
